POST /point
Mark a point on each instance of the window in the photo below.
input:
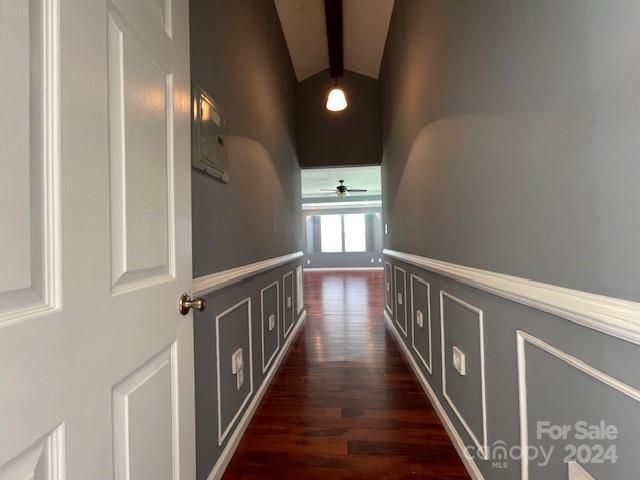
(337, 233)
(331, 233)
(355, 233)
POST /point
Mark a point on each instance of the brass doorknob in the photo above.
(185, 304)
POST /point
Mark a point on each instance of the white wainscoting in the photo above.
(223, 431)
(613, 316)
(482, 446)
(522, 339)
(458, 443)
(427, 364)
(226, 455)
(215, 281)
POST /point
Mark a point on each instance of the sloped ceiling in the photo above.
(365, 23)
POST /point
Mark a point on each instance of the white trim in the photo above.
(299, 289)
(210, 283)
(523, 337)
(341, 205)
(265, 366)
(456, 440)
(413, 322)
(482, 447)
(613, 316)
(223, 434)
(284, 305)
(390, 285)
(226, 455)
(341, 269)
(404, 297)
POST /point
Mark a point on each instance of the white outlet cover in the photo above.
(388, 286)
(240, 378)
(419, 318)
(272, 321)
(288, 302)
(373, 260)
(577, 472)
(399, 298)
(236, 361)
(459, 361)
(237, 367)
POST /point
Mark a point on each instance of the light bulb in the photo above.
(336, 101)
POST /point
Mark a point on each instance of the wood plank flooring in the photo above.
(344, 404)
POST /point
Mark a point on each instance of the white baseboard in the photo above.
(457, 441)
(224, 459)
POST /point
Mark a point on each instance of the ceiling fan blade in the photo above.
(356, 190)
(328, 190)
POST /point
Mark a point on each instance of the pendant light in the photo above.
(336, 100)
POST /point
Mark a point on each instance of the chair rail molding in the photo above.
(216, 281)
(613, 316)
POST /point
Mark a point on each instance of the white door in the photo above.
(96, 363)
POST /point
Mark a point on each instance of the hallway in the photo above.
(344, 403)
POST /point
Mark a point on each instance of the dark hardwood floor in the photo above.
(345, 404)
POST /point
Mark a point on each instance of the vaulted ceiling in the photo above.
(365, 25)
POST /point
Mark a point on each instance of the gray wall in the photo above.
(236, 330)
(556, 391)
(510, 133)
(350, 137)
(510, 140)
(239, 55)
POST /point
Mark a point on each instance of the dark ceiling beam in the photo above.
(333, 15)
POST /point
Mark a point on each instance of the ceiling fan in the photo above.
(342, 190)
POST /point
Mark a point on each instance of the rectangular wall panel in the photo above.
(400, 300)
(270, 306)
(287, 303)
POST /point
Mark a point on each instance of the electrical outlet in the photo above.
(288, 302)
(577, 472)
(419, 319)
(386, 228)
(399, 298)
(459, 361)
(272, 321)
(388, 286)
(373, 260)
(237, 367)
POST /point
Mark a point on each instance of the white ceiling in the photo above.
(365, 25)
(315, 179)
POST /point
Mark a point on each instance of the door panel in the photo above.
(140, 92)
(28, 185)
(96, 363)
(144, 404)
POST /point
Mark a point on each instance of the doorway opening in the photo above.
(342, 217)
